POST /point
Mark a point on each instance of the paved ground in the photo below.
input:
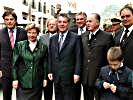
(13, 97)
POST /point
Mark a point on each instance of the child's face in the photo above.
(115, 64)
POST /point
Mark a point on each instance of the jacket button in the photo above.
(86, 68)
(89, 53)
(89, 60)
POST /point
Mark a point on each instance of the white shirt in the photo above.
(32, 45)
(130, 29)
(79, 30)
(50, 35)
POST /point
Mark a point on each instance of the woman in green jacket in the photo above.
(30, 66)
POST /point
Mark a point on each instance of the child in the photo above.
(113, 80)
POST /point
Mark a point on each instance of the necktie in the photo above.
(81, 31)
(91, 36)
(11, 38)
(125, 35)
(61, 41)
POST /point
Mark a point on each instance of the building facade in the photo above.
(29, 11)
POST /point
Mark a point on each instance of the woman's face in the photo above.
(32, 35)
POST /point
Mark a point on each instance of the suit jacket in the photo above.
(45, 38)
(6, 49)
(118, 36)
(127, 49)
(119, 77)
(94, 55)
(30, 68)
(67, 62)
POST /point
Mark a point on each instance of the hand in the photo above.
(113, 88)
(76, 78)
(15, 84)
(106, 85)
(44, 83)
(0, 73)
(50, 76)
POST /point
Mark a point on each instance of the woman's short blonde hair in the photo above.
(32, 26)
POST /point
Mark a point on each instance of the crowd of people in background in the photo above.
(68, 58)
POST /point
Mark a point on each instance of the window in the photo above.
(25, 2)
(44, 7)
(39, 7)
(39, 20)
(33, 4)
(24, 15)
(33, 17)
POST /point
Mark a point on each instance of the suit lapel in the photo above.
(86, 37)
(47, 38)
(56, 42)
(6, 36)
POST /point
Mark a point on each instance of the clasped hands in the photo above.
(112, 87)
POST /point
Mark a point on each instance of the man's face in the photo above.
(91, 23)
(52, 26)
(32, 35)
(10, 21)
(62, 24)
(115, 27)
(126, 17)
(80, 20)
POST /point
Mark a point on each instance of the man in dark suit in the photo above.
(125, 39)
(52, 30)
(8, 37)
(80, 27)
(126, 14)
(64, 60)
(95, 46)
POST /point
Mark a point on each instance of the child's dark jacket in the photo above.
(120, 78)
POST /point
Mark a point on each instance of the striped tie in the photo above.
(11, 38)
(61, 41)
